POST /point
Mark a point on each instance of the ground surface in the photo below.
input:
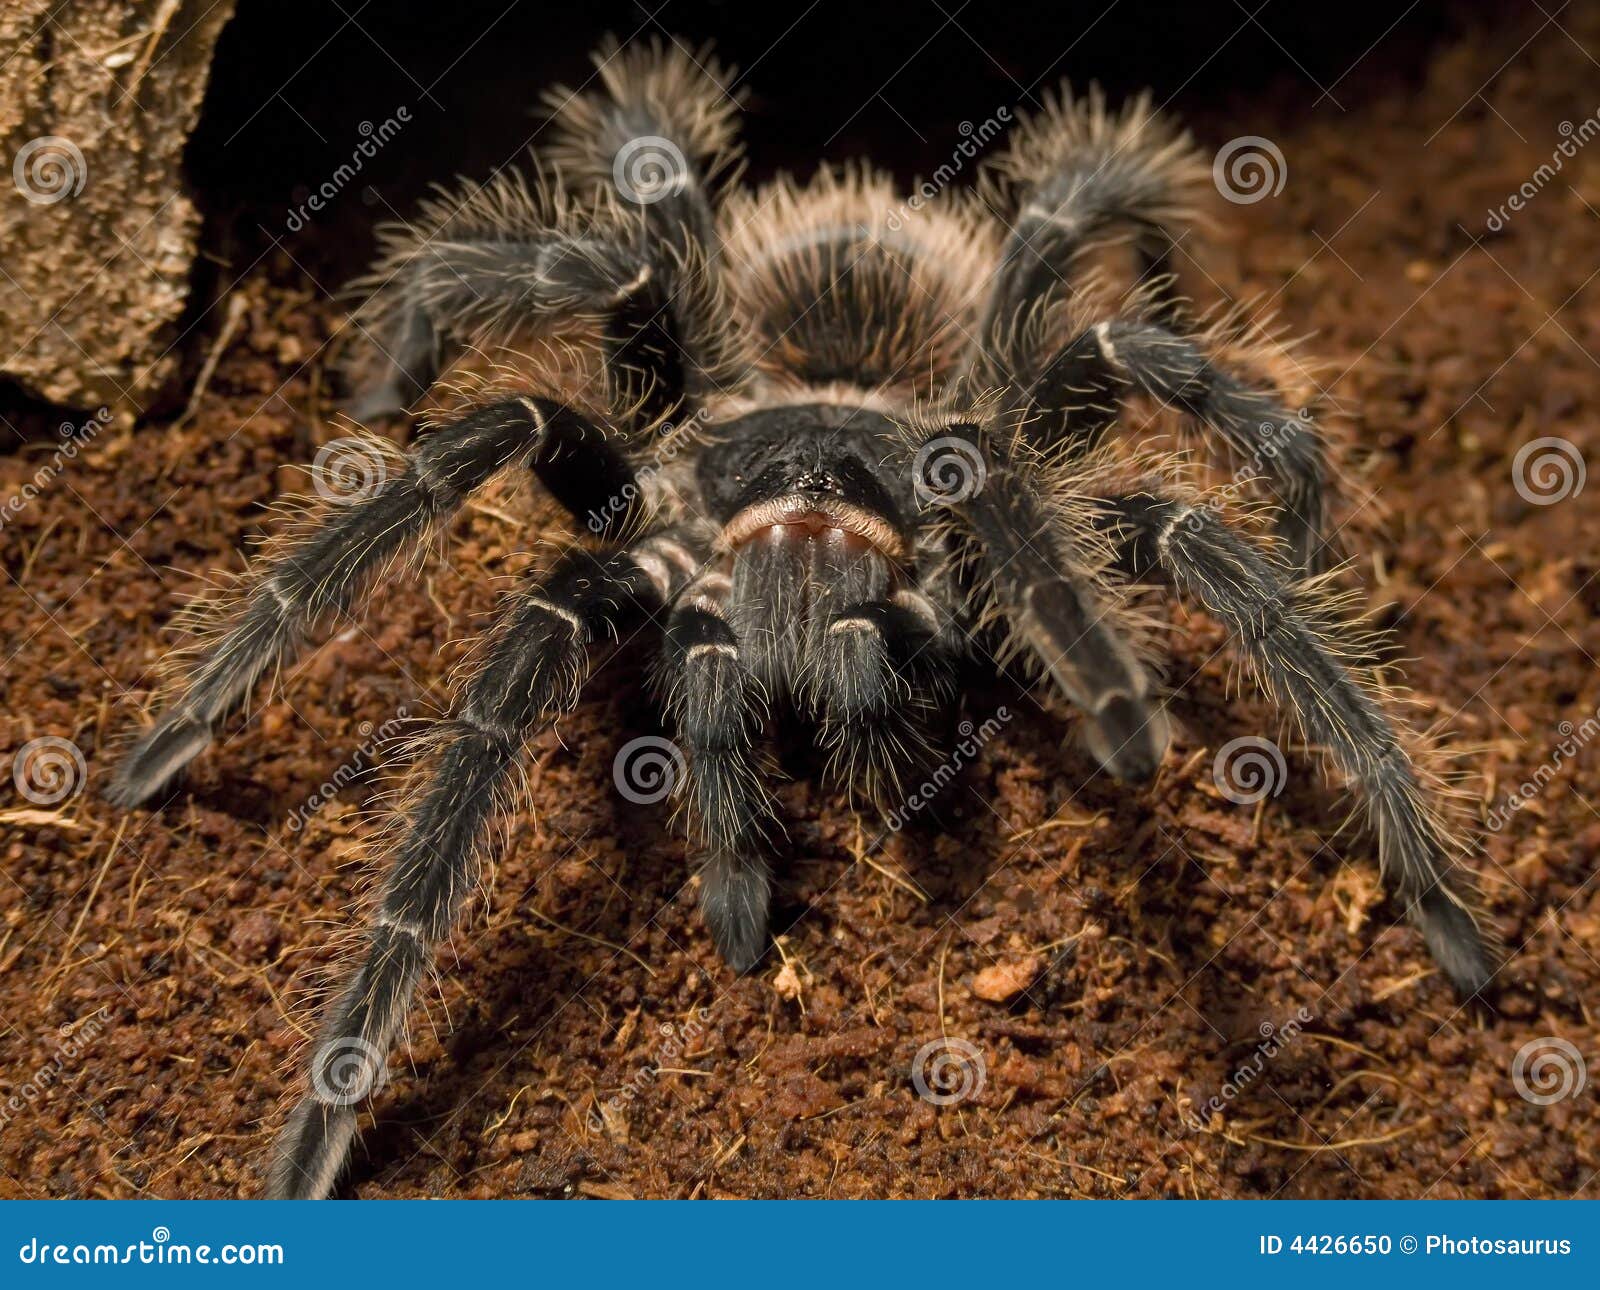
(152, 965)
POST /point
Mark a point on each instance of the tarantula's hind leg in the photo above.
(1301, 657)
(1075, 174)
(402, 365)
(325, 574)
(660, 137)
(531, 671)
(718, 708)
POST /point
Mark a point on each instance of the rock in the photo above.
(255, 936)
(1002, 981)
(97, 100)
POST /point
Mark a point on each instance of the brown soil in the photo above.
(152, 964)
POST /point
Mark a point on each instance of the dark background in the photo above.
(294, 81)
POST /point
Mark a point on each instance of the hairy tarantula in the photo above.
(898, 454)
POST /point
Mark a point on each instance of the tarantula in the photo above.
(890, 427)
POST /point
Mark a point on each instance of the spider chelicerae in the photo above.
(833, 444)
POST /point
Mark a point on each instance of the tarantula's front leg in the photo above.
(1046, 585)
(327, 572)
(531, 672)
(1296, 653)
(718, 707)
(885, 673)
(1078, 394)
(323, 575)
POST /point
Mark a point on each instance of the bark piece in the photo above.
(97, 99)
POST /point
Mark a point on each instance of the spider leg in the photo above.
(658, 137)
(652, 150)
(884, 674)
(434, 287)
(1297, 657)
(531, 672)
(492, 263)
(1074, 174)
(325, 574)
(1076, 397)
(1047, 584)
(718, 707)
